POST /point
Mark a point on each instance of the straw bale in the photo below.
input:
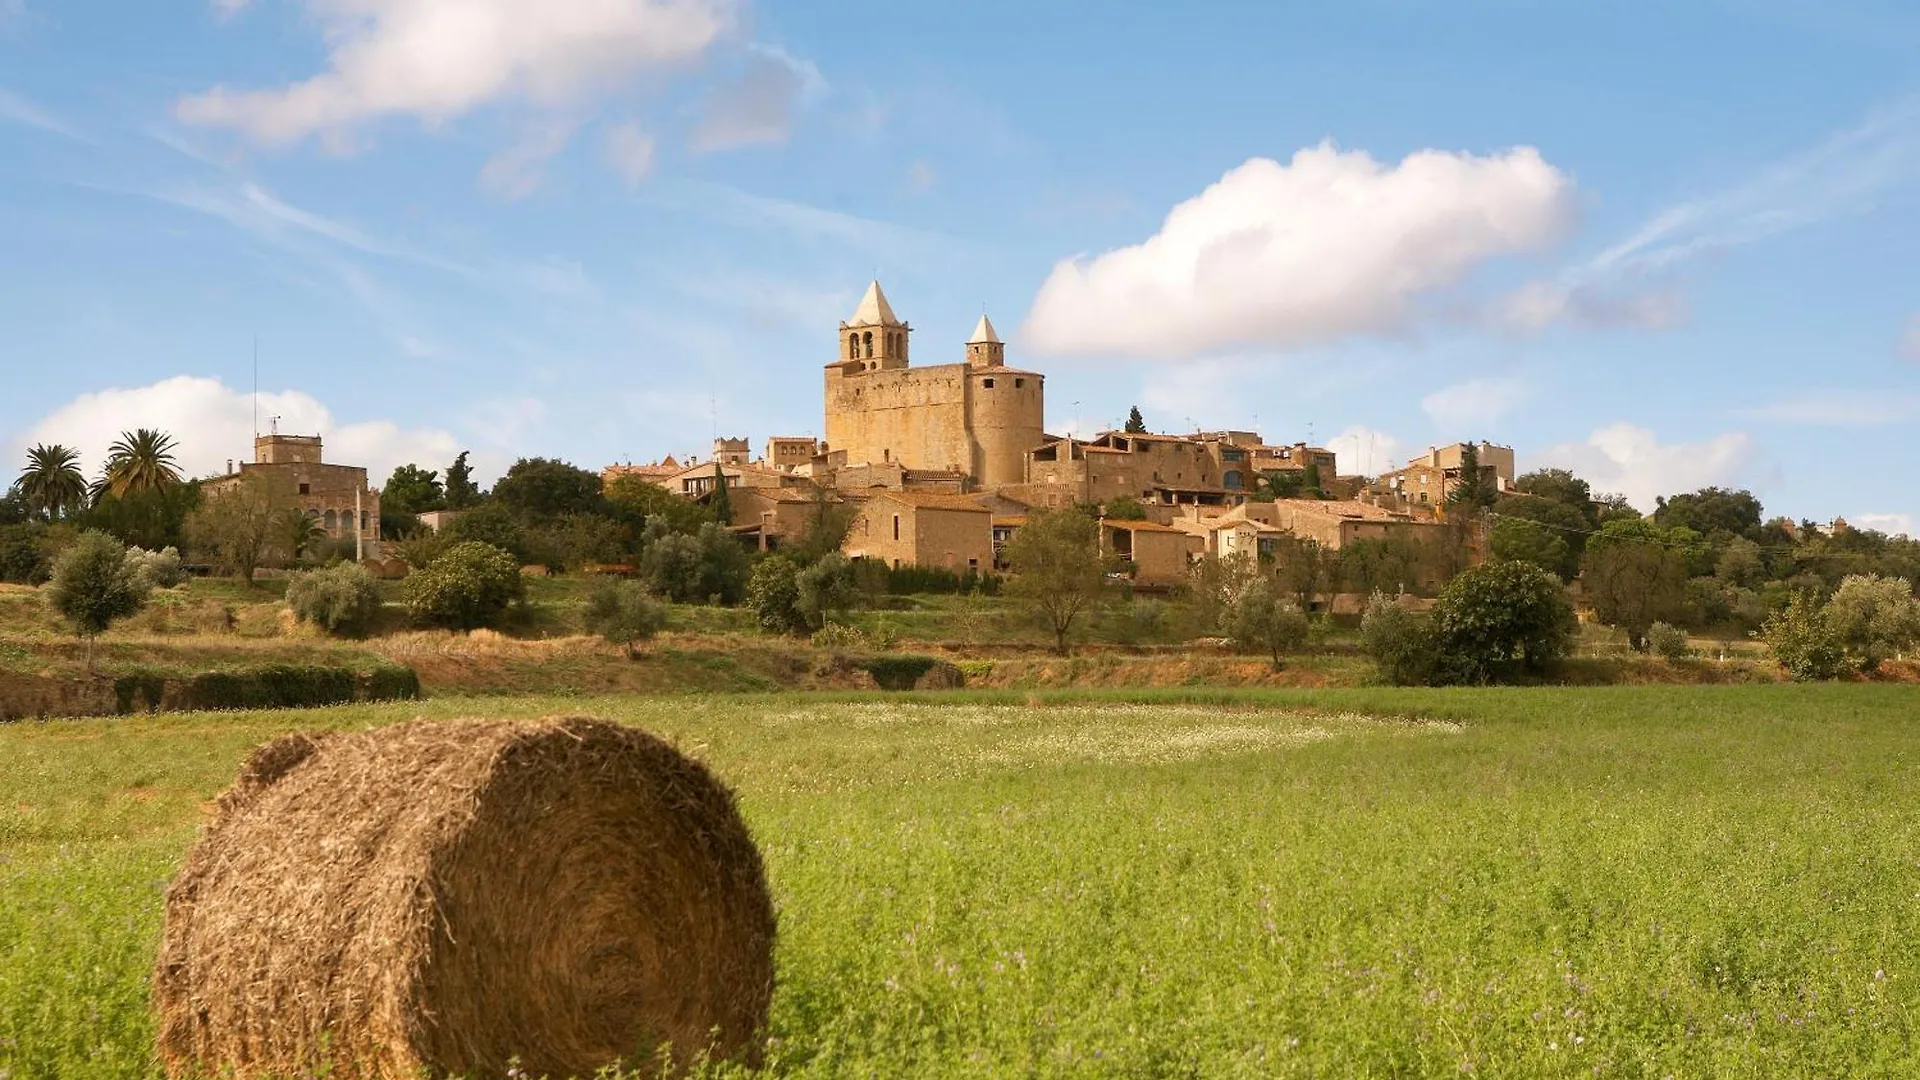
(456, 897)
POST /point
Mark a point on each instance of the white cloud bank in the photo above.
(1361, 451)
(1891, 524)
(214, 424)
(438, 59)
(1631, 461)
(1279, 255)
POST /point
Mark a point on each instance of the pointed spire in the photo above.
(874, 309)
(983, 332)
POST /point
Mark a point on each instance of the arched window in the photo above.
(853, 346)
(332, 521)
(869, 344)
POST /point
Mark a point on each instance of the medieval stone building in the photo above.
(977, 418)
(335, 496)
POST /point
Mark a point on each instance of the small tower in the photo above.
(984, 347)
(875, 336)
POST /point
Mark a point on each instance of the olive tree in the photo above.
(94, 586)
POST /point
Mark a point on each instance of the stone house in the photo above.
(769, 518)
(1150, 553)
(916, 528)
(336, 497)
(1430, 478)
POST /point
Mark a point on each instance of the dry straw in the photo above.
(455, 897)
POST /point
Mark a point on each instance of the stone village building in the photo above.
(337, 497)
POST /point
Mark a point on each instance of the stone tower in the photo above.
(874, 334)
(984, 348)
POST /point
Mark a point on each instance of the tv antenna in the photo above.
(275, 421)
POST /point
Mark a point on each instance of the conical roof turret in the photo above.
(874, 309)
(983, 332)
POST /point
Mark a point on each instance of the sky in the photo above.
(1665, 243)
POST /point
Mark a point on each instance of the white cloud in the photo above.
(1891, 524)
(921, 176)
(757, 106)
(1628, 460)
(629, 151)
(1539, 304)
(438, 59)
(213, 424)
(1910, 341)
(518, 171)
(228, 8)
(1328, 245)
(15, 109)
(1842, 408)
(1474, 403)
(1365, 452)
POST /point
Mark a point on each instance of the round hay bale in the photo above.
(453, 897)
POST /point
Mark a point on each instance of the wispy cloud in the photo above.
(15, 109)
(1842, 408)
(1847, 174)
(1476, 403)
(252, 208)
(758, 105)
(1910, 339)
(867, 236)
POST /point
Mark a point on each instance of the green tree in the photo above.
(1520, 540)
(93, 587)
(22, 558)
(707, 566)
(1634, 584)
(297, 536)
(1390, 564)
(461, 491)
(773, 592)
(1499, 615)
(235, 526)
(1206, 598)
(1304, 569)
(623, 614)
(825, 532)
(1400, 641)
(152, 518)
(1124, 508)
(1712, 510)
(825, 588)
(412, 490)
(638, 498)
(721, 502)
(1876, 618)
(1058, 570)
(1310, 482)
(538, 490)
(492, 523)
(1740, 564)
(141, 460)
(1136, 424)
(1472, 490)
(339, 599)
(1263, 618)
(1804, 639)
(51, 485)
(1284, 484)
(469, 587)
(1559, 486)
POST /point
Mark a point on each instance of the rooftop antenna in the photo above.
(275, 421)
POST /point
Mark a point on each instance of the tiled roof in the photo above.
(933, 500)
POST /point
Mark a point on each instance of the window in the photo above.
(988, 383)
(973, 564)
(896, 526)
(1231, 479)
(869, 343)
(1018, 383)
(853, 346)
(306, 489)
(332, 521)
(363, 519)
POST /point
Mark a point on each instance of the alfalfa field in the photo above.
(1629, 881)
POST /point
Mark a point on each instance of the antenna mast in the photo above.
(256, 386)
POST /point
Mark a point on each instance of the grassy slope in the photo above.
(1633, 881)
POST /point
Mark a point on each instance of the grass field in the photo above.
(1630, 881)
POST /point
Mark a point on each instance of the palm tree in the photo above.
(141, 461)
(51, 483)
(297, 532)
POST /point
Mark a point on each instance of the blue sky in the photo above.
(1666, 244)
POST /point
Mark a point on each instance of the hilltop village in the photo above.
(943, 461)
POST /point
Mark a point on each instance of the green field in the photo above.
(1631, 881)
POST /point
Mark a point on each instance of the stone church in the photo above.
(977, 418)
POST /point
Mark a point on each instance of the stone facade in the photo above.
(1153, 554)
(1428, 479)
(978, 417)
(908, 528)
(335, 496)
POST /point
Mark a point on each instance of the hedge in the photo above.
(267, 686)
(899, 671)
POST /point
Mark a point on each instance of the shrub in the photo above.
(1805, 640)
(469, 587)
(340, 599)
(624, 614)
(391, 682)
(156, 569)
(1876, 617)
(708, 566)
(1262, 619)
(1400, 641)
(1496, 615)
(1667, 642)
(824, 588)
(93, 587)
(839, 636)
(271, 686)
(899, 671)
(773, 592)
(22, 560)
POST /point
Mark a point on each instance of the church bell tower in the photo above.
(874, 336)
